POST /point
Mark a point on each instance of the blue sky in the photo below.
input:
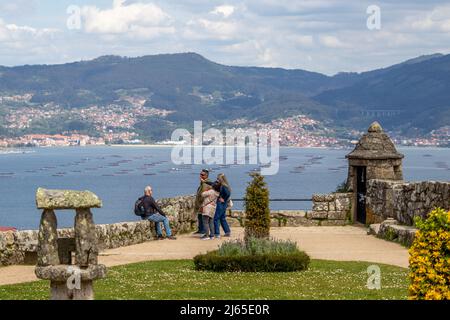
(326, 36)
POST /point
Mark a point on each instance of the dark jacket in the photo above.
(221, 207)
(151, 207)
(224, 194)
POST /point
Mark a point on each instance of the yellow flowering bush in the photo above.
(429, 259)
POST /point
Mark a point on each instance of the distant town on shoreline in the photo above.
(61, 140)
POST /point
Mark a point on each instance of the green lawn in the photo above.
(177, 279)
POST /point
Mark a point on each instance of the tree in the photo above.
(257, 211)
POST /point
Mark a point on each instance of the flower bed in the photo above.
(255, 255)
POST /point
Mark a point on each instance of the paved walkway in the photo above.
(332, 243)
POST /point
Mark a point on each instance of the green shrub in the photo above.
(212, 261)
(257, 211)
(254, 255)
(255, 246)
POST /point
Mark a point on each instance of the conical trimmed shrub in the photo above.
(257, 211)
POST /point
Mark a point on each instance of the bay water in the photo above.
(118, 176)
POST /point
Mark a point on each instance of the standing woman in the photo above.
(221, 208)
(208, 210)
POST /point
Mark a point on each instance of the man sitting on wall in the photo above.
(154, 213)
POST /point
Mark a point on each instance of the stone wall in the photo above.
(331, 209)
(404, 200)
(279, 218)
(328, 210)
(17, 247)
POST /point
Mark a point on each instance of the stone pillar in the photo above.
(86, 291)
(48, 240)
(85, 238)
(60, 291)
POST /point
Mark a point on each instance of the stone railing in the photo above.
(332, 209)
(18, 247)
(328, 210)
(279, 218)
(403, 201)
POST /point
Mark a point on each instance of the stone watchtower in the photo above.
(374, 157)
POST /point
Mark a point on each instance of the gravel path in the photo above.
(348, 243)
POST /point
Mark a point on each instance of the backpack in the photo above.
(139, 209)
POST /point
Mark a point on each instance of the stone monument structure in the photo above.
(69, 263)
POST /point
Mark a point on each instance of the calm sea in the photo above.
(119, 174)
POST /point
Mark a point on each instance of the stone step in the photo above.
(392, 231)
(374, 228)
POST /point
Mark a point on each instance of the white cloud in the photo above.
(253, 52)
(331, 42)
(145, 20)
(12, 33)
(18, 7)
(283, 7)
(20, 44)
(437, 20)
(224, 10)
(303, 41)
(204, 29)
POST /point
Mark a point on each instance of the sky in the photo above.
(327, 36)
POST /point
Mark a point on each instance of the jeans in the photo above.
(201, 226)
(220, 217)
(157, 219)
(208, 222)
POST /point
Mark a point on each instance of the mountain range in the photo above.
(412, 97)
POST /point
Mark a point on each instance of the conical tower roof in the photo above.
(375, 145)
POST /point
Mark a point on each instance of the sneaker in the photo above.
(203, 237)
(160, 237)
(218, 237)
(206, 238)
(172, 238)
(211, 238)
(227, 235)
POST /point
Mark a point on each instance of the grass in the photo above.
(177, 279)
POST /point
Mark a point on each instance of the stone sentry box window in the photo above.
(55, 256)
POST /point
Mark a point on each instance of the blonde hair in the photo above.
(223, 180)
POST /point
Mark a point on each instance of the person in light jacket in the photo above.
(204, 181)
(208, 209)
